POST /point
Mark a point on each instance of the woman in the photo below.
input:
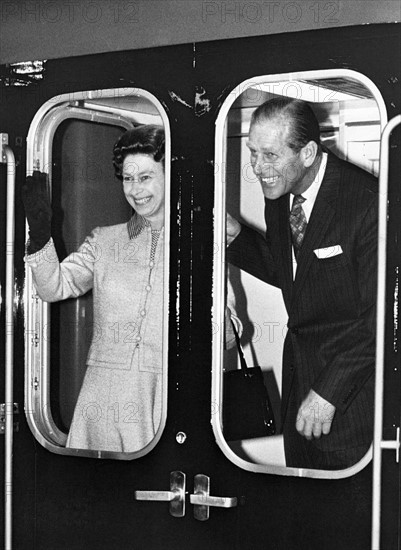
(119, 405)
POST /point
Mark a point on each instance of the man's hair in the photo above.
(147, 139)
(297, 114)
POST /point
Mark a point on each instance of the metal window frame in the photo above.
(219, 269)
(74, 105)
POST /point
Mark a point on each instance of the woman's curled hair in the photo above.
(147, 139)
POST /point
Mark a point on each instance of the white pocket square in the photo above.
(328, 252)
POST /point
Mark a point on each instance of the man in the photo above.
(320, 249)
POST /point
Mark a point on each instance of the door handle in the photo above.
(163, 496)
(176, 495)
(202, 500)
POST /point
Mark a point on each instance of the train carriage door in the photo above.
(70, 141)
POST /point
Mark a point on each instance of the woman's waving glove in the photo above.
(38, 210)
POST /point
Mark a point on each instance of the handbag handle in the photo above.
(244, 366)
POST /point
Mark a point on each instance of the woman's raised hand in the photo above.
(38, 210)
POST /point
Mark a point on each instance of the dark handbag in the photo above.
(247, 411)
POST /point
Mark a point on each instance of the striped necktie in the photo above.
(298, 223)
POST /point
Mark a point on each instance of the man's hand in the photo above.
(315, 416)
(229, 333)
(233, 229)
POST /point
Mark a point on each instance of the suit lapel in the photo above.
(286, 251)
(321, 217)
(279, 238)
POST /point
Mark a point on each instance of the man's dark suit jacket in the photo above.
(330, 343)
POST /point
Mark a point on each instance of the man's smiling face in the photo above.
(279, 168)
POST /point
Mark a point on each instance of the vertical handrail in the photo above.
(8, 157)
(380, 330)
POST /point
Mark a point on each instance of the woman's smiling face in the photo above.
(143, 182)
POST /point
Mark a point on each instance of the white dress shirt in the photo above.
(310, 197)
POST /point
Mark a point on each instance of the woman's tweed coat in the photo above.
(119, 405)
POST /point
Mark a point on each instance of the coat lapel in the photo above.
(279, 237)
(286, 252)
(321, 217)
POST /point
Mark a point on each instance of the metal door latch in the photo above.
(202, 499)
(3, 417)
(176, 495)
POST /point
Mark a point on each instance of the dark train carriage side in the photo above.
(74, 502)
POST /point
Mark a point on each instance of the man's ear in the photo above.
(308, 153)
